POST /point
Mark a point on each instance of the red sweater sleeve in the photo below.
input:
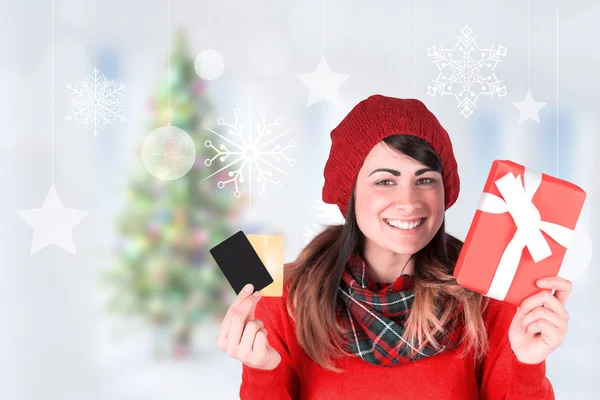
(280, 383)
(502, 375)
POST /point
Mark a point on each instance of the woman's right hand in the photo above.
(245, 338)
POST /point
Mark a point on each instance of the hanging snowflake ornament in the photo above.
(328, 214)
(95, 102)
(246, 154)
(467, 72)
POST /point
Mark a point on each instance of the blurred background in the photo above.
(135, 312)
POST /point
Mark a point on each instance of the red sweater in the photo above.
(440, 377)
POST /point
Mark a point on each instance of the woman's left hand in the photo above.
(540, 324)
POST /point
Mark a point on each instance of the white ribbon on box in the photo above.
(516, 200)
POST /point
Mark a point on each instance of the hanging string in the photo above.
(95, 11)
(250, 72)
(322, 28)
(52, 90)
(209, 24)
(415, 48)
(529, 46)
(557, 74)
(169, 61)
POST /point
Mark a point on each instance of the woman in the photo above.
(371, 309)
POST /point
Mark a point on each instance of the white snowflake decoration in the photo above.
(95, 102)
(466, 71)
(329, 214)
(250, 153)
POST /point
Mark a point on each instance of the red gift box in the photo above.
(520, 232)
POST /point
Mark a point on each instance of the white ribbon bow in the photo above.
(516, 200)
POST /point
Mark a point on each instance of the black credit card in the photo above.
(240, 264)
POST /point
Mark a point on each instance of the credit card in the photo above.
(240, 263)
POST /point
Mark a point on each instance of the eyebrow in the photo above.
(397, 173)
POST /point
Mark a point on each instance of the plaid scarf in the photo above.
(374, 315)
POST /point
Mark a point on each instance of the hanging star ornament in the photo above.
(323, 84)
(529, 108)
(52, 223)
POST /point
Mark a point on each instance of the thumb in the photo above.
(517, 320)
(517, 317)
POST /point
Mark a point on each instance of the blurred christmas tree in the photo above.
(165, 274)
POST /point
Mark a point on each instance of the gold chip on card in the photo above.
(270, 250)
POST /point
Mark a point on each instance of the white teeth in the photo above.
(404, 225)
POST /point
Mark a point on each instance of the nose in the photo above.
(407, 202)
(408, 208)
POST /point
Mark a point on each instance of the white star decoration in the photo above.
(52, 223)
(529, 108)
(323, 84)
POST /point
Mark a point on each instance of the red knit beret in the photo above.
(371, 121)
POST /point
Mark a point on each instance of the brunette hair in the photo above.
(315, 276)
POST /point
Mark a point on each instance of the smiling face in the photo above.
(394, 189)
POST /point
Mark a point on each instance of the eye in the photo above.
(380, 183)
(430, 180)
